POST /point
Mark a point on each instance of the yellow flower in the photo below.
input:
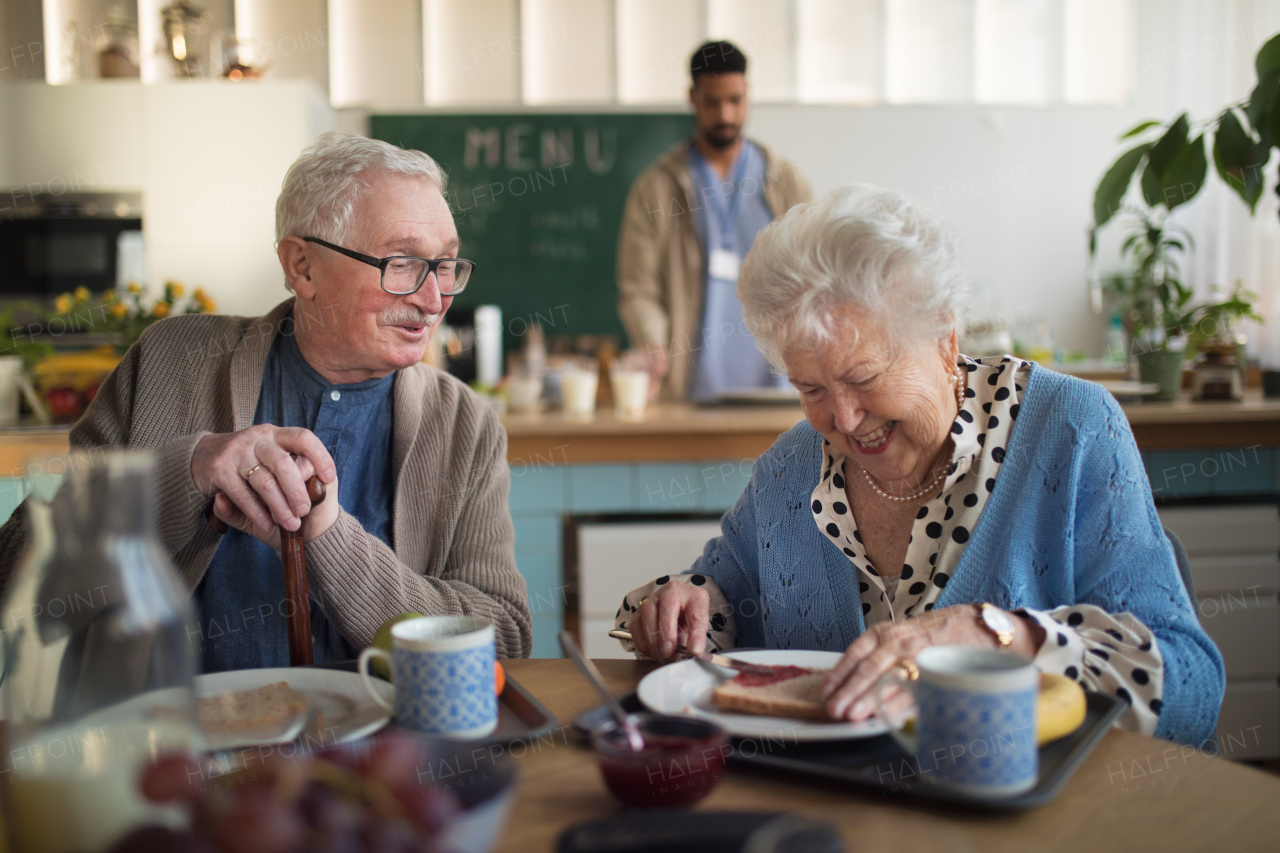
(63, 304)
(134, 287)
(161, 309)
(119, 309)
(83, 295)
(109, 297)
(175, 290)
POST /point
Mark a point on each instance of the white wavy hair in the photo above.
(860, 246)
(321, 187)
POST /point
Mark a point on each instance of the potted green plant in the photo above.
(1153, 303)
(1170, 166)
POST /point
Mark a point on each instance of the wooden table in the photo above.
(1132, 793)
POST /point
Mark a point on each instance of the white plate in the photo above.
(684, 689)
(349, 712)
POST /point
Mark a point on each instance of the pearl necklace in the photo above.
(958, 379)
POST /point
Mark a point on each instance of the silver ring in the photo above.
(251, 471)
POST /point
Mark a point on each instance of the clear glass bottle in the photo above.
(99, 666)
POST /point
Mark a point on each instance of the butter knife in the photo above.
(707, 657)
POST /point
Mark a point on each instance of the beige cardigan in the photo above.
(660, 258)
(454, 541)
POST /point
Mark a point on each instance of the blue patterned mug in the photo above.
(975, 719)
(443, 670)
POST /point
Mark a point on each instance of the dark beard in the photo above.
(721, 142)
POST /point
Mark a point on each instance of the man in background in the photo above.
(690, 219)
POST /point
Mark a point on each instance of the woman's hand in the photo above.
(848, 689)
(278, 461)
(677, 614)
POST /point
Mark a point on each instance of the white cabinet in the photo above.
(615, 558)
(81, 138)
(1235, 565)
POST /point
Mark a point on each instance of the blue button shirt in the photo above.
(241, 600)
(729, 214)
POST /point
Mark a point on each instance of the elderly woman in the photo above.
(928, 498)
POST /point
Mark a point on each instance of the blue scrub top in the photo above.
(729, 214)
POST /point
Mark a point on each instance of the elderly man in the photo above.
(241, 412)
(690, 219)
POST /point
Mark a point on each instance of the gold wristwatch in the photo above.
(999, 623)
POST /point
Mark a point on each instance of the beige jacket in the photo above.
(454, 541)
(660, 258)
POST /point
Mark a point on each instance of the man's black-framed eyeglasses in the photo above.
(403, 275)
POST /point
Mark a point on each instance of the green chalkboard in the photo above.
(538, 199)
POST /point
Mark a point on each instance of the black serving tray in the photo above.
(879, 764)
(520, 716)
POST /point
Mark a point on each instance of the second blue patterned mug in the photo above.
(443, 671)
(975, 719)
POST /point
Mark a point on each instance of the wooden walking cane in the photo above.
(293, 554)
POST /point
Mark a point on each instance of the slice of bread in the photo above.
(251, 709)
(797, 694)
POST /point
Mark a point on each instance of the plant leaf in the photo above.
(1138, 128)
(1185, 175)
(1236, 157)
(1260, 98)
(1168, 146)
(1268, 58)
(1112, 187)
(1151, 185)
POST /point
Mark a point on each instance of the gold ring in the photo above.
(642, 601)
(251, 471)
(910, 671)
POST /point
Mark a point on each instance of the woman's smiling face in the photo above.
(888, 407)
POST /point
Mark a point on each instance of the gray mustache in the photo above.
(406, 317)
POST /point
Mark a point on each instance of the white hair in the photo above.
(860, 246)
(321, 187)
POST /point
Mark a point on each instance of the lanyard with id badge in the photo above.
(723, 261)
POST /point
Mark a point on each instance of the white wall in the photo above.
(208, 157)
(1016, 182)
(83, 137)
(216, 156)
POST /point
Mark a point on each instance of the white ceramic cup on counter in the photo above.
(524, 392)
(578, 391)
(444, 675)
(630, 392)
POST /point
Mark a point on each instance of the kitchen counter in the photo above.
(669, 432)
(674, 432)
(1183, 424)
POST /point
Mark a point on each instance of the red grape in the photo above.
(161, 839)
(256, 825)
(431, 808)
(172, 776)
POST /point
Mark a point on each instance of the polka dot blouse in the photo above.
(1106, 652)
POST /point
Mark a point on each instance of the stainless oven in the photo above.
(52, 244)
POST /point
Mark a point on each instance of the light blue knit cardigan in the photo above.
(1071, 521)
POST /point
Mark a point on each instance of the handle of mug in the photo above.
(363, 666)
(903, 675)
